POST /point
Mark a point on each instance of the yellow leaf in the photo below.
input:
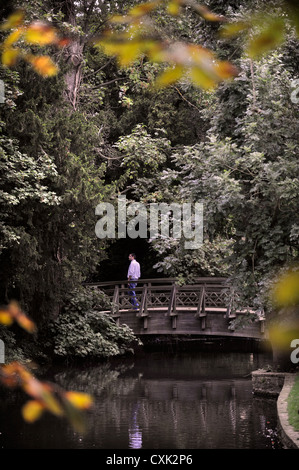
(12, 38)
(281, 335)
(225, 70)
(232, 29)
(80, 400)
(174, 7)
(286, 292)
(43, 65)
(26, 323)
(206, 13)
(32, 410)
(5, 318)
(10, 56)
(202, 78)
(20, 317)
(169, 76)
(271, 36)
(40, 33)
(144, 8)
(14, 20)
(125, 51)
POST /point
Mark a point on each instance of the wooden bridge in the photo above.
(205, 308)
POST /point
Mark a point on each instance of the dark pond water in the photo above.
(157, 401)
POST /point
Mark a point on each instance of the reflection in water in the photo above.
(185, 401)
(135, 433)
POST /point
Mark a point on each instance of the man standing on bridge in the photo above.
(133, 275)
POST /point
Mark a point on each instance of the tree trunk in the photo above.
(73, 52)
(74, 59)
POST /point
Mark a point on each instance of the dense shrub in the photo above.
(81, 330)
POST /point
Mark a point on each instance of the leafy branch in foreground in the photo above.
(45, 396)
(130, 36)
(33, 34)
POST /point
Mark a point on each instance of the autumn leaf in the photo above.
(233, 29)
(205, 12)
(19, 316)
(12, 313)
(144, 8)
(32, 410)
(41, 34)
(286, 291)
(43, 65)
(14, 20)
(201, 78)
(169, 76)
(174, 7)
(5, 317)
(12, 38)
(271, 36)
(46, 396)
(10, 56)
(79, 400)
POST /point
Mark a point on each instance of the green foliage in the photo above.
(143, 155)
(82, 331)
(248, 183)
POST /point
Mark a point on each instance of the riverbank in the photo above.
(278, 384)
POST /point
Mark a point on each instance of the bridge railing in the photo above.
(167, 294)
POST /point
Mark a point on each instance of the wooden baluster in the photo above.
(115, 305)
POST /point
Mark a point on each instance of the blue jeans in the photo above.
(132, 284)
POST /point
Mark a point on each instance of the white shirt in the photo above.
(134, 269)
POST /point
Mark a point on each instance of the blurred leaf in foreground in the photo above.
(46, 396)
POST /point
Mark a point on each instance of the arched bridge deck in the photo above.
(204, 308)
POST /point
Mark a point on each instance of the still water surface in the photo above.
(157, 401)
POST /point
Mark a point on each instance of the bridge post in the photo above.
(172, 312)
(143, 313)
(115, 305)
(201, 308)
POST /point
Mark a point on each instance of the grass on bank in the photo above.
(293, 405)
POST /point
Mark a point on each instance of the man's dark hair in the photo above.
(133, 254)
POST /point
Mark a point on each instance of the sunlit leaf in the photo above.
(40, 33)
(79, 400)
(170, 76)
(5, 318)
(174, 7)
(286, 292)
(12, 38)
(63, 42)
(225, 70)
(19, 316)
(201, 78)
(43, 65)
(232, 29)
(74, 415)
(205, 12)
(42, 393)
(10, 56)
(281, 335)
(26, 323)
(32, 411)
(14, 20)
(46, 396)
(144, 8)
(271, 36)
